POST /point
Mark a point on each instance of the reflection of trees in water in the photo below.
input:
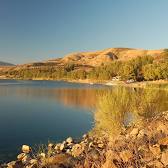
(76, 97)
(122, 105)
(85, 98)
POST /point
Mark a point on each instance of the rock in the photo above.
(164, 158)
(147, 156)
(85, 140)
(31, 166)
(141, 133)
(110, 155)
(43, 155)
(162, 127)
(163, 141)
(85, 136)
(127, 136)
(126, 155)
(101, 145)
(26, 159)
(134, 132)
(155, 149)
(15, 164)
(64, 142)
(21, 156)
(68, 151)
(57, 147)
(26, 149)
(11, 164)
(91, 145)
(50, 145)
(69, 140)
(155, 164)
(62, 146)
(33, 161)
(143, 148)
(77, 150)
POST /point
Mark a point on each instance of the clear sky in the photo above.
(32, 30)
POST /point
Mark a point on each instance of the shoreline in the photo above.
(109, 83)
(128, 148)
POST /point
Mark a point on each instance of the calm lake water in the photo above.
(34, 112)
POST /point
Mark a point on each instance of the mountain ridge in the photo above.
(97, 58)
(5, 64)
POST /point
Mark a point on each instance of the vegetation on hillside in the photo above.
(139, 69)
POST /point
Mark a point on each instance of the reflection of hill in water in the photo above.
(80, 97)
(77, 97)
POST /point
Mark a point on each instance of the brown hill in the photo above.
(89, 60)
(104, 56)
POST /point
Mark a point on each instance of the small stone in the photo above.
(77, 150)
(43, 155)
(134, 132)
(62, 146)
(68, 151)
(85, 136)
(155, 149)
(86, 140)
(101, 145)
(26, 149)
(147, 156)
(57, 147)
(31, 166)
(11, 164)
(50, 145)
(163, 141)
(33, 161)
(162, 127)
(164, 157)
(21, 156)
(155, 164)
(141, 133)
(64, 142)
(69, 140)
(127, 136)
(25, 159)
(90, 144)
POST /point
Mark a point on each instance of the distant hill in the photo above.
(5, 64)
(97, 58)
(89, 60)
(97, 65)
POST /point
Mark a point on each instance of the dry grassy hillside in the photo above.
(105, 56)
(88, 60)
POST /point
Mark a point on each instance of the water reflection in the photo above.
(75, 97)
(34, 113)
(49, 108)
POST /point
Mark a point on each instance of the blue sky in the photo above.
(33, 30)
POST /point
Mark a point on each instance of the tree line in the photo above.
(139, 69)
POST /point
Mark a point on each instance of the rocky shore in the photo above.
(142, 145)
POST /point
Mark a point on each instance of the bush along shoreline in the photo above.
(144, 144)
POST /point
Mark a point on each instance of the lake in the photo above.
(34, 112)
(38, 112)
